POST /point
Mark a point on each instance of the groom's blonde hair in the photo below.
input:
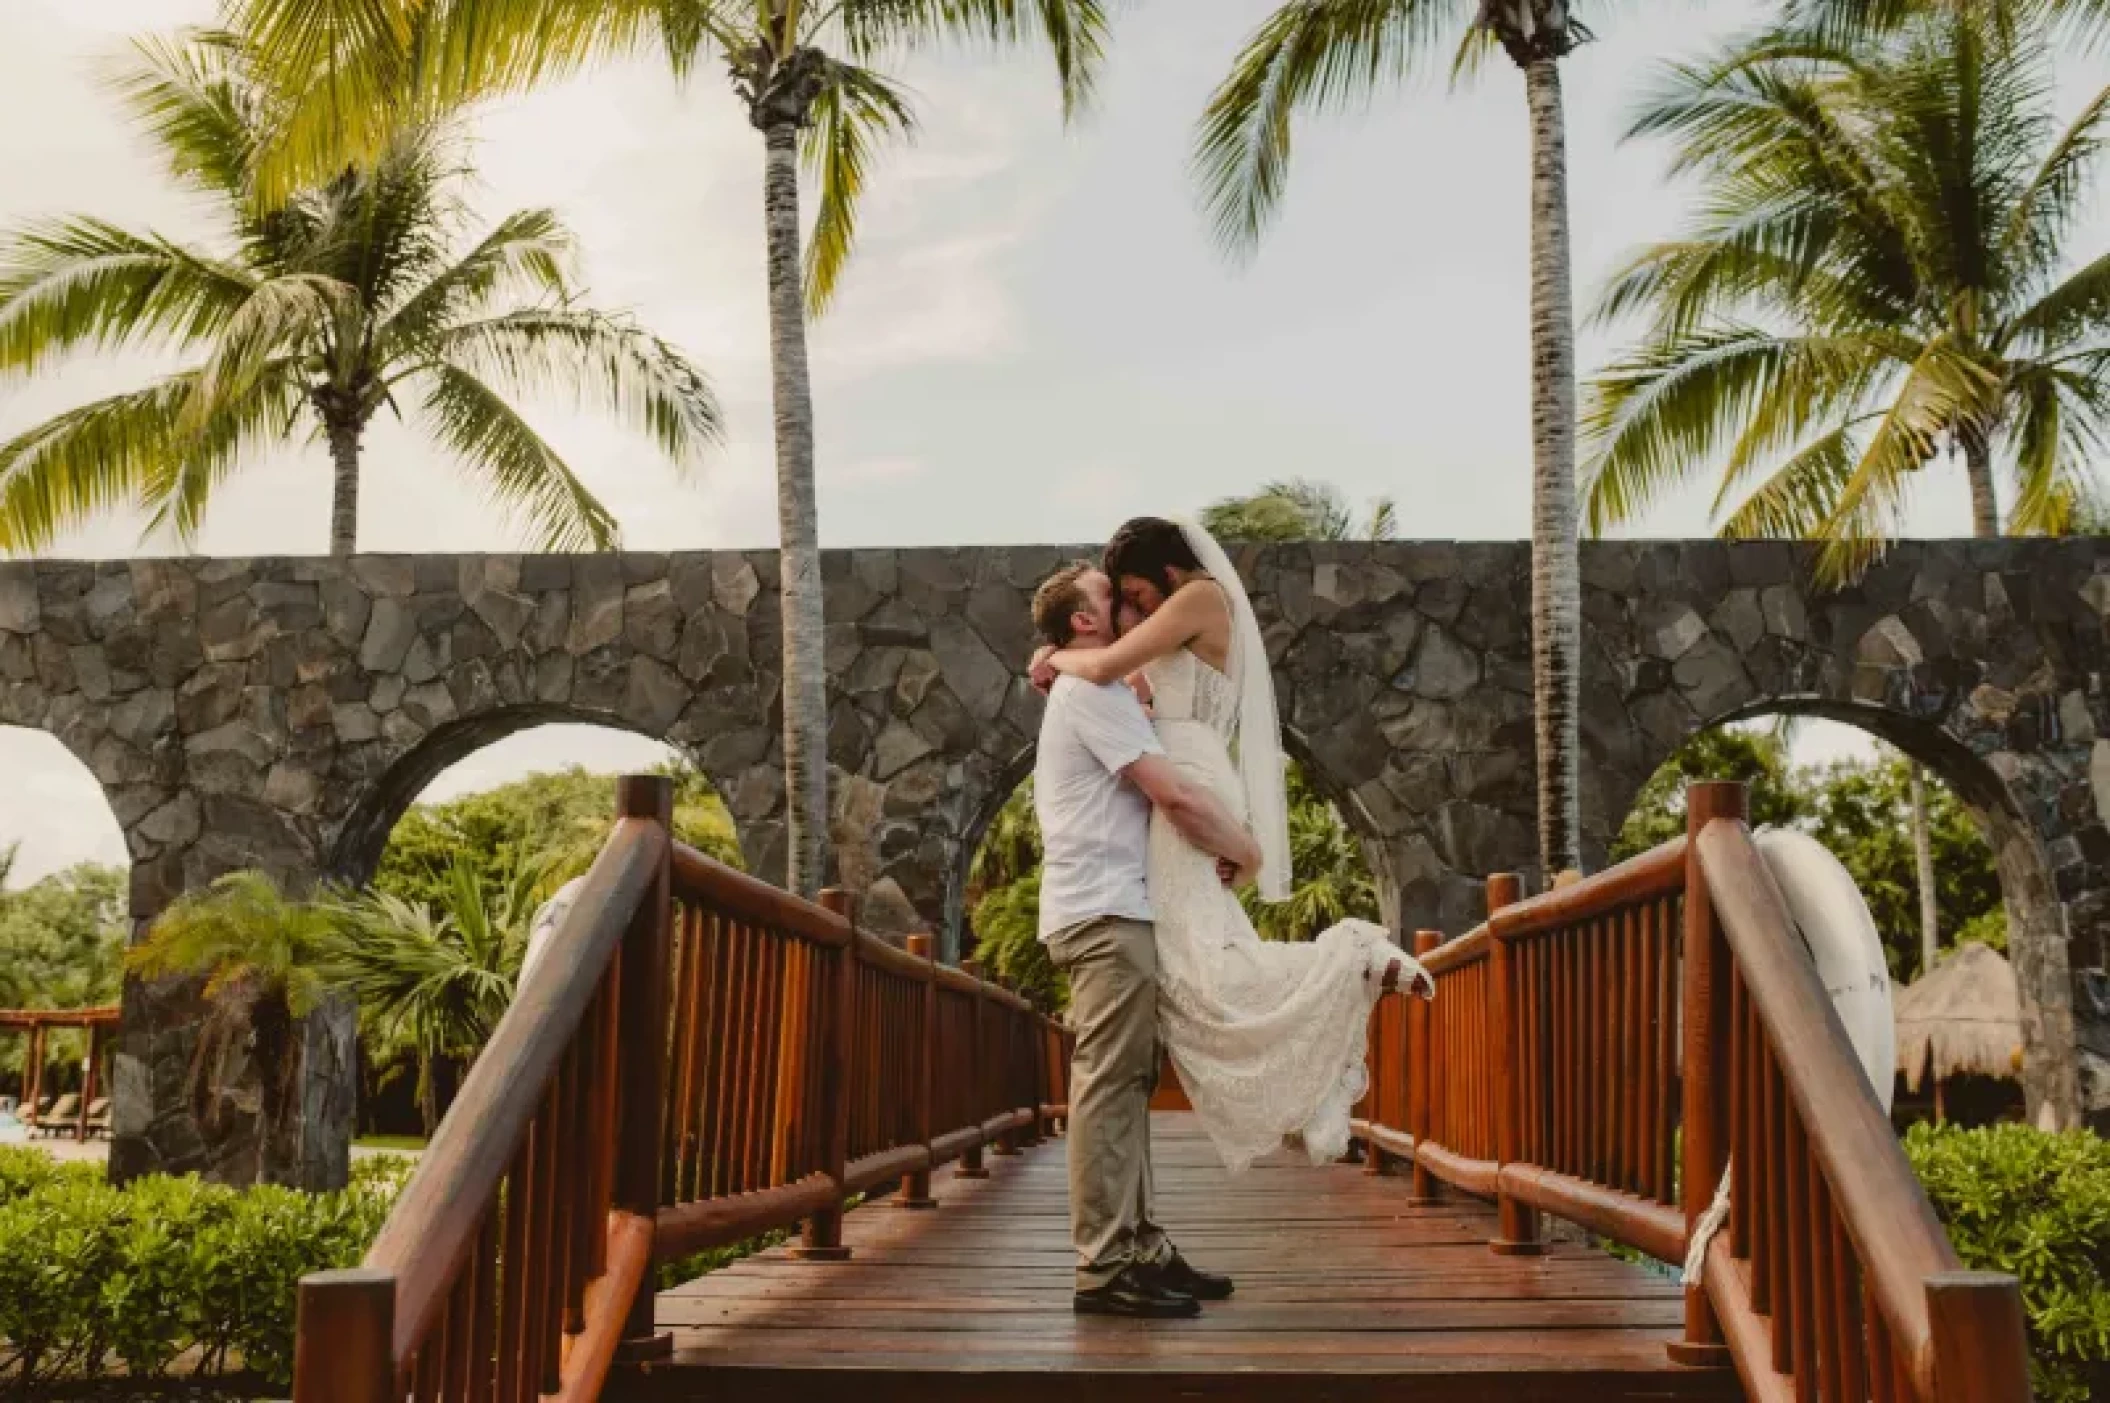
(1060, 597)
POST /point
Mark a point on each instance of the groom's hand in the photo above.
(1227, 871)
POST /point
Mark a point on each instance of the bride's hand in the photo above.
(1039, 672)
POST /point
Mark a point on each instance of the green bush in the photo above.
(2035, 1205)
(165, 1273)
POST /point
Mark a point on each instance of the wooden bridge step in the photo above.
(1345, 1294)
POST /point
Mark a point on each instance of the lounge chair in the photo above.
(63, 1116)
(99, 1116)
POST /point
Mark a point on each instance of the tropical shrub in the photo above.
(2037, 1205)
(166, 1275)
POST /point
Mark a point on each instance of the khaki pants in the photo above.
(1113, 969)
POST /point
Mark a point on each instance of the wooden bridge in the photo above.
(700, 1059)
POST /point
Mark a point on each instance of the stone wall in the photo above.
(281, 713)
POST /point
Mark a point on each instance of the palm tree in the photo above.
(801, 70)
(432, 983)
(1327, 53)
(322, 308)
(263, 957)
(1298, 509)
(1881, 274)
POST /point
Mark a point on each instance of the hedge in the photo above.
(165, 1275)
(2037, 1206)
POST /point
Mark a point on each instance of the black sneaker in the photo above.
(1182, 1277)
(1134, 1293)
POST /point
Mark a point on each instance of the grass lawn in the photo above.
(410, 1144)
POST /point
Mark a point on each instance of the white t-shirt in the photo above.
(1093, 824)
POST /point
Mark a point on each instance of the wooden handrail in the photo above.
(1887, 1214)
(1581, 1037)
(695, 1059)
(459, 1173)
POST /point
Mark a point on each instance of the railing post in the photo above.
(344, 1338)
(88, 1079)
(1419, 1107)
(1704, 1058)
(1007, 1143)
(1981, 1347)
(1519, 1220)
(641, 1048)
(916, 1192)
(824, 1231)
(971, 1165)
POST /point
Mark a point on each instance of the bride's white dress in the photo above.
(1268, 1038)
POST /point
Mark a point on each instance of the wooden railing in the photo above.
(697, 1059)
(1605, 1052)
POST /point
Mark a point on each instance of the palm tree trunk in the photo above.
(1978, 467)
(344, 500)
(1923, 866)
(805, 676)
(1556, 591)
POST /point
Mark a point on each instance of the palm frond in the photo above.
(291, 315)
(1075, 32)
(2046, 210)
(2076, 308)
(142, 448)
(1796, 499)
(1658, 415)
(1317, 54)
(522, 474)
(529, 252)
(82, 282)
(195, 98)
(855, 109)
(596, 360)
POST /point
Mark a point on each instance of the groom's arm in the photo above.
(1195, 812)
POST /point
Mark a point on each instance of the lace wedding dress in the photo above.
(1268, 1038)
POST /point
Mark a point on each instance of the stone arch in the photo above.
(355, 848)
(1003, 782)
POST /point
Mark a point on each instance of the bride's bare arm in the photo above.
(1193, 608)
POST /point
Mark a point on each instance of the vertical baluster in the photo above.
(591, 1221)
(739, 1064)
(1647, 1130)
(1705, 1011)
(715, 1031)
(1848, 1330)
(971, 1165)
(1885, 1368)
(546, 1303)
(1634, 1034)
(691, 1031)
(573, 1151)
(513, 1314)
(1667, 915)
(1768, 1191)
(461, 1326)
(916, 1192)
(1518, 1220)
(1793, 1346)
(1620, 1016)
(1739, 1115)
(425, 1368)
(1563, 946)
(1421, 1075)
(1824, 1300)
(483, 1331)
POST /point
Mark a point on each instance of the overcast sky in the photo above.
(1037, 337)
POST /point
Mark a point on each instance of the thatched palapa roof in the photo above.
(1964, 1018)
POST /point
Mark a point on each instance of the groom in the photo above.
(1098, 773)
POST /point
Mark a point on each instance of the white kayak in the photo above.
(1840, 933)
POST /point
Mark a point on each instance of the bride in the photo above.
(1268, 1038)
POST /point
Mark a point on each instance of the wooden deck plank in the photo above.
(1345, 1293)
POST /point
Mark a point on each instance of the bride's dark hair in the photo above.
(1148, 547)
